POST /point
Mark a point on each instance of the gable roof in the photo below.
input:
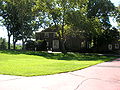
(51, 29)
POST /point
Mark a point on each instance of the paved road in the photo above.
(104, 76)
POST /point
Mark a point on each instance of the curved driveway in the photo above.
(104, 76)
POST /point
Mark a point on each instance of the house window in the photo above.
(116, 46)
(55, 44)
(83, 44)
(110, 46)
(47, 44)
(46, 35)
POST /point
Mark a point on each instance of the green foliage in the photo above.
(39, 41)
(102, 9)
(40, 63)
(76, 18)
(3, 44)
(18, 19)
(19, 47)
(107, 37)
(30, 45)
(38, 45)
(41, 45)
(118, 14)
(80, 24)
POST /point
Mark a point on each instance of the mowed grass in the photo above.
(41, 63)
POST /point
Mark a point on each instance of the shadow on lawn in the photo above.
(60, 56)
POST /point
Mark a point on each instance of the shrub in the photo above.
(30, 45)
(3, 44)
(41, 45)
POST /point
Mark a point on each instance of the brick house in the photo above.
(114, 46)
(109, 47)
(49, 35)
(53, 42)
(78, 43)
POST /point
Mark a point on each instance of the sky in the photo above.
(116, 2)
(3, 31)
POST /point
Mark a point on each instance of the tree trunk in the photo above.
(63, 47)
(63, 40)
(9, 40)
(14, 42)
(23, 44)
(14, 45)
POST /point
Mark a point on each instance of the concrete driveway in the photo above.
(104, 76)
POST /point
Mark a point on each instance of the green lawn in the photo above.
(41, 63)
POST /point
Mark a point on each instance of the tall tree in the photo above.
(83, 26)
(101, 9)
(56, 12)
(26, 23)
(5, 9)
(19, 19)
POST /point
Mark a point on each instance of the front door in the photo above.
(55, 44)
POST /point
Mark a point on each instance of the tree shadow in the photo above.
(60, 56)
(78, 57)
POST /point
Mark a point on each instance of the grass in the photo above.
(40, 63)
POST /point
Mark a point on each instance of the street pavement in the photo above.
(104, 76)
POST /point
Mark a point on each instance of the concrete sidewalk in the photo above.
(104, 76)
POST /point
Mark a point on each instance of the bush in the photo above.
(30, 45)
(41, 45)
(3, 44)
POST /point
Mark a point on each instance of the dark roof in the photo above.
(51, 29)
